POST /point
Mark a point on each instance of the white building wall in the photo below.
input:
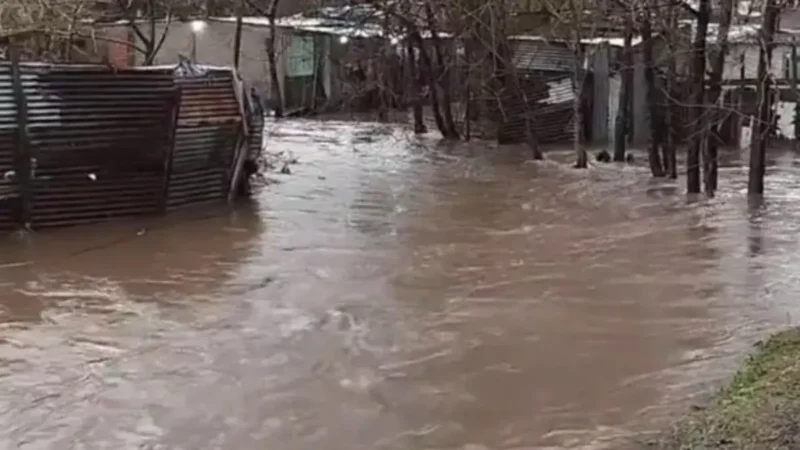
(733, 64)
(214, 47)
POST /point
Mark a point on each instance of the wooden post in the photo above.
(22, 151)
(742, 90)
(169, 154)
(468, 114)
(796, 119)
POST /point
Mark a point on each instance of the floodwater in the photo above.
(396, 294)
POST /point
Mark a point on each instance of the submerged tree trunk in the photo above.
(710, 159)
(579, 78)
(577, 8)
(622, 121)
(427, 71)
(697, 115)
(656, 116)
(796, 118)
(414, 87)
(669, 149)
(442, 73)
(581, 158)
(277, 95)
(762, 124)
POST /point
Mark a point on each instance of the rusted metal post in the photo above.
(170, 152)
(22, 149)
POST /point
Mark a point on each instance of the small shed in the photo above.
(546, 69)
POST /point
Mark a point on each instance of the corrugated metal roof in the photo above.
(543, 56)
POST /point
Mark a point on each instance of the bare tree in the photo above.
(577, 11)
(710, 158)
(668, 29)
(143, 17)
(414, 89)
(763, 122)
(277, 94)
(697, 114)
(271, 13)
(42, 29)
(441, 72)
(622, 123)
(656, 116)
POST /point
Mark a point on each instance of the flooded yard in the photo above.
(396, 294)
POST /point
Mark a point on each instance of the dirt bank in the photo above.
(758, 410)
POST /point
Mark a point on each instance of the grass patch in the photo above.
(758, 410)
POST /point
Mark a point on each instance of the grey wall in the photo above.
(215, 48)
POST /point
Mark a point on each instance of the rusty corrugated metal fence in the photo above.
(103, 143)
(209, 124)
(548, 101)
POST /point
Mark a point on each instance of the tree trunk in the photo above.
(796, 118)
(277, 95)
(441, 74)
(710, 159)
(414, 82)
(427, 70)
(669, 150)
(382, 73)
(577, 9)
(763, 122)
(622, 122)
(579, 78)
(698, 98)
(237, 36)
(656, 116)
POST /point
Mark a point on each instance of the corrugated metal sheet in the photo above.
(99, 139)
(8, 129)
(543, 56)
(255, 141)
(209, 126)
(548, 103)
(108, 143)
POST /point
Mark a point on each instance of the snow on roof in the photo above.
(204, 67)
(613, 41)
(746, 8)
(336, 27)
(739, 34)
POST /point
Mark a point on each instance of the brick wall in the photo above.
(118, 54)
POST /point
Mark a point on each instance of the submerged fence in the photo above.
(86, 143)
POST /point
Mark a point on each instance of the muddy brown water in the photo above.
(396, 294)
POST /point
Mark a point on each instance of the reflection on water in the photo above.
(396, 294)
